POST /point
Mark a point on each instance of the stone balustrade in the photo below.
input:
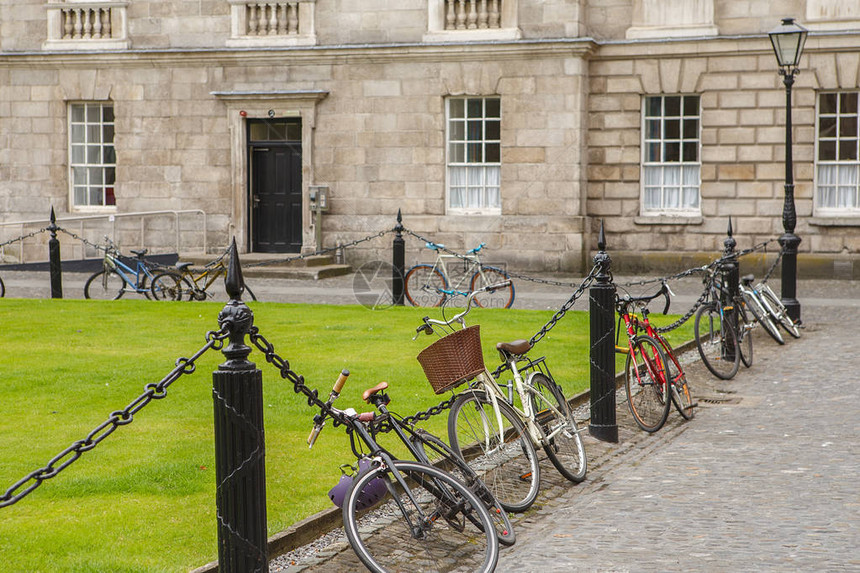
(87, 25)
(472, 14)
(272, 23)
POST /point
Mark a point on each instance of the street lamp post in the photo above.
(788, 40)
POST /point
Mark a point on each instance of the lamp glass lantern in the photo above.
(788, 39)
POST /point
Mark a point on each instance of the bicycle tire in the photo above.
(170, 286)
(511, 469)
(716, 341)
(564, 446)
(762, 316)
(779, 314)
(104, 287)
(386, 541)
(745, 339)
(2, 289)
(421, 286)
(682, 397)
(440, 455)
(497, 298)
(646, 384)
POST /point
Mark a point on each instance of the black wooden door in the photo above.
(276, 198)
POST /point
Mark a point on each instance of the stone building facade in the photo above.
(519, 123)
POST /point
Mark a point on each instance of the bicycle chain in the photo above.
(152, 391)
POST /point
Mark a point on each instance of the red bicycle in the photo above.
(653, 375)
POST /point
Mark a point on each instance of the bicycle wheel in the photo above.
(497, 298)
(104, 285)
(745, 341)
(779, 312)
(170, 286)
(716, 341)
(428, 527)
(2, 289)
(681, 395)
(504, 458)
(761, 315)
(441, 456)
(645, 376)
(422, 286)
(564, 445)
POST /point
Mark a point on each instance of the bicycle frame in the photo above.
(113, 263)
(632, 325)
(209, 274)
(474, 265)
(357, 426)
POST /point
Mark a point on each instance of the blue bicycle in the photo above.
(118, 277)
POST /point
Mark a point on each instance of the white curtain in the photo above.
(838, 186)
(474, 187)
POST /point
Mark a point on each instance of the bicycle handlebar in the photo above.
(664, 291)
(319, 419)
(427, 327)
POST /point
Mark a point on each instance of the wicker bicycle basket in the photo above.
(454, 359)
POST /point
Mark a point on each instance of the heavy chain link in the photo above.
(469, 259)
(772, 267)
(83, 240)
(586, 282)
(687, 316)
(321, 251)
(22, 238)
(153, 391)
(283, 366)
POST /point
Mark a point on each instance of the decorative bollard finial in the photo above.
(730, 243)
(234, 282)
(601, 238)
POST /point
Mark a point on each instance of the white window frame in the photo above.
(845, 170)
(85, 169)
(488, 189)
(691, 170)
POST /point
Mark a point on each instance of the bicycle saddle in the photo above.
(371, 391)
(435, 246)
(183, 266)
(516, 347)
(747, 279)
(139, 253)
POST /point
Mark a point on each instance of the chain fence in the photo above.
(152, 391)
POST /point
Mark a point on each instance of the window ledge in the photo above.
(495, 34)
(668, 220)
(835, 221)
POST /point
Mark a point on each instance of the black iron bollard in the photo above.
(601, 296)
(731, 277)
(54, 258)
(239, 440)
(399, 262)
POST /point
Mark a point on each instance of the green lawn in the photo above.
(144, 499)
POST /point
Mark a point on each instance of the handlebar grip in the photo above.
(341, 380)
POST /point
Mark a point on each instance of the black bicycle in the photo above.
(424, 519)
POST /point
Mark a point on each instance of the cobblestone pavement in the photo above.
(763, 478)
